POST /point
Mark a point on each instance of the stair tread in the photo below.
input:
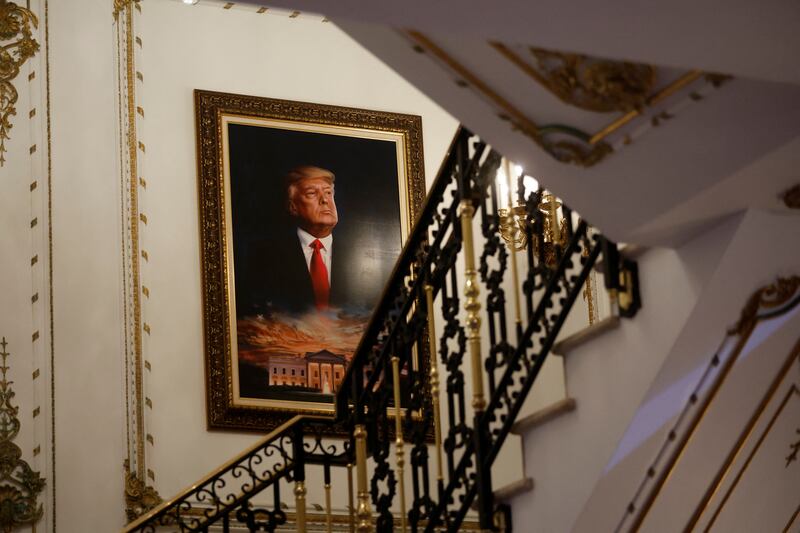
(583, 336)
(544, 415)
(515, 488)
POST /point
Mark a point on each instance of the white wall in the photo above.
(607, 376)
(238, 51)
(587, 464)
(86, 271)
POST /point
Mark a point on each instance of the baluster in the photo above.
(434, 382)
(363, 511)
(299, 478)
(399, 444)
(350, 507)
(328, 514)
(472, 306)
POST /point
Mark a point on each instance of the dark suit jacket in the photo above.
(273, 276)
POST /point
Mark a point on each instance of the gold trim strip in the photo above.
(519, 118)
(713, 488)
(770, 296)
(792, 390)
(792, 519)
(664, 93)
(50, 262)
(684, 441)
(518, 61)
(130, 69)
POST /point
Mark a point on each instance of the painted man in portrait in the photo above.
(309, 265)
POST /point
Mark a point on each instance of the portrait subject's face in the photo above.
(312, 203)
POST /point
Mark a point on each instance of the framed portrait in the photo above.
(304, 209)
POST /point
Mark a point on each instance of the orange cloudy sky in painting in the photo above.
(278, 334)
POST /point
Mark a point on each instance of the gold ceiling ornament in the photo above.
(594, 84)
(564, 143)
(791, 197)
(20, 485)
(139, 498)
(16, 25)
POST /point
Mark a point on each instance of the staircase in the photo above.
(467, 320)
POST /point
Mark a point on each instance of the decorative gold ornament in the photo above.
(512, 227)
(594, 84)
(19, 484)
(791, 197)
(16, 25)
(139, 498)
(769, 297)
(122, 5)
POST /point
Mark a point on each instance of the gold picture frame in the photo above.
(258, 328)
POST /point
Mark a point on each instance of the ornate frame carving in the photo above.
(222, 413)
(16, 25)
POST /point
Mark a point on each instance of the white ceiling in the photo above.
(753, 39)
(735, 148)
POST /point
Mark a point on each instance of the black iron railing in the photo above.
(443, 402)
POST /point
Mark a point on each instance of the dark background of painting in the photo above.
(366, 200)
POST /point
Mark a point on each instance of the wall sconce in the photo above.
(513, 226)
(513, 218)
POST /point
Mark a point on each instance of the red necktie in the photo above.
(319, 277)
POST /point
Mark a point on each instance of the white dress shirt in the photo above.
(305, 241)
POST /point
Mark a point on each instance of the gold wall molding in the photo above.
(20, 485)
(592, 84)
(122, 5)
(767, 302)
(139, 497)
(792, 392)
(16, 25)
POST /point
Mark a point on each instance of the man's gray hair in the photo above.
(302, 172)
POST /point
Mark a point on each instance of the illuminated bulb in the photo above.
(502, 188)
(517, 170)
(531, 185)
(190, 2)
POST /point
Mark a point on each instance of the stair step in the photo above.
(514, 489)
(583, 336)
(542, 416)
